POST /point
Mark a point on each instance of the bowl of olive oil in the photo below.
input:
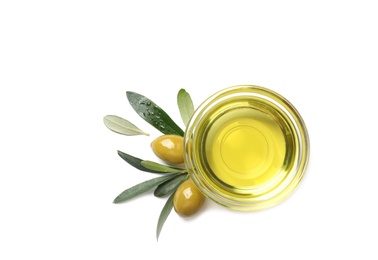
(246, 148)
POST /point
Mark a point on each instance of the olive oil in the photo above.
(246, 148)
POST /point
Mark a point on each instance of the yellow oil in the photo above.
(246, 148)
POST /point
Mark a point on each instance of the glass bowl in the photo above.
(246, 148)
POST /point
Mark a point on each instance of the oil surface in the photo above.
(245, 149)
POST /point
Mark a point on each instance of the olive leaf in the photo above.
(185, 105)
(159, 167)
(136, 162)
(122, 126)
(164, 215)
(141, 188)
(153, 114)
(169, 186)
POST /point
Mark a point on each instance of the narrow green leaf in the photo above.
(122, 126)
(136, 162)
(169, 186)
(153, 114)
(164, 215)
(185, 105)
(159, 167)
(141, 188)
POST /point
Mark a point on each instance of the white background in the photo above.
(66, 64)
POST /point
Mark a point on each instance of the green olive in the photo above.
(169, 148)
(188, 199)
